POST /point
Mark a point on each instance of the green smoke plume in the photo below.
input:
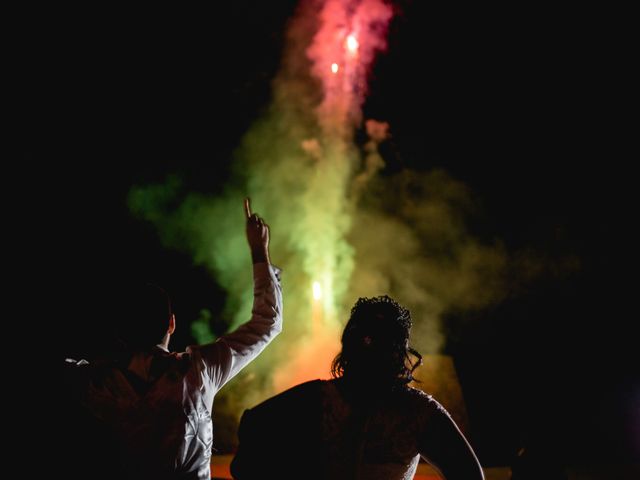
(334, 220)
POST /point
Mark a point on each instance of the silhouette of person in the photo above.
(155, 405)
(365, 423)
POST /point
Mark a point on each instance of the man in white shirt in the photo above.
(156, 404)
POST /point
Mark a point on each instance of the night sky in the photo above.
(526, 106)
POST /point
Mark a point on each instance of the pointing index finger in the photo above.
(247, 207)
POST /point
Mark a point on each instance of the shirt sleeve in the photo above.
(443, 446)
(225, 357)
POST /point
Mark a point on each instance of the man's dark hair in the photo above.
(375, 343)
(144, 316)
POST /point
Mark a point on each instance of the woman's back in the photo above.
(374, 436)
(334, 430)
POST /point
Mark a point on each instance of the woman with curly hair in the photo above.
(365, 423)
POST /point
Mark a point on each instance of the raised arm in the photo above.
(444, 446)
(224, 358)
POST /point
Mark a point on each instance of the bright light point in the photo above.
(334, 67)
(317, 291)
(352, 43)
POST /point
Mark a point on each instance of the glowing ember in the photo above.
(352, 44)
(334, 67)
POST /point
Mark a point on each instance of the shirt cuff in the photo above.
(262, 269)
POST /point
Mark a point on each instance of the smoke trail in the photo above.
(339, 230)
(301, 159)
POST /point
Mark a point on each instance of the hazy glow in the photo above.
(334, 67)
(317, 291)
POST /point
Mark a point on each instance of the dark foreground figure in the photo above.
(366, 423)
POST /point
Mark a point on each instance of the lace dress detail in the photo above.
(378, 440)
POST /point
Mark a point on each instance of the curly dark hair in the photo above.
(375, 343)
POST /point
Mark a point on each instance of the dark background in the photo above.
(529, 106)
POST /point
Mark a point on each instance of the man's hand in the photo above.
(257, 235)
